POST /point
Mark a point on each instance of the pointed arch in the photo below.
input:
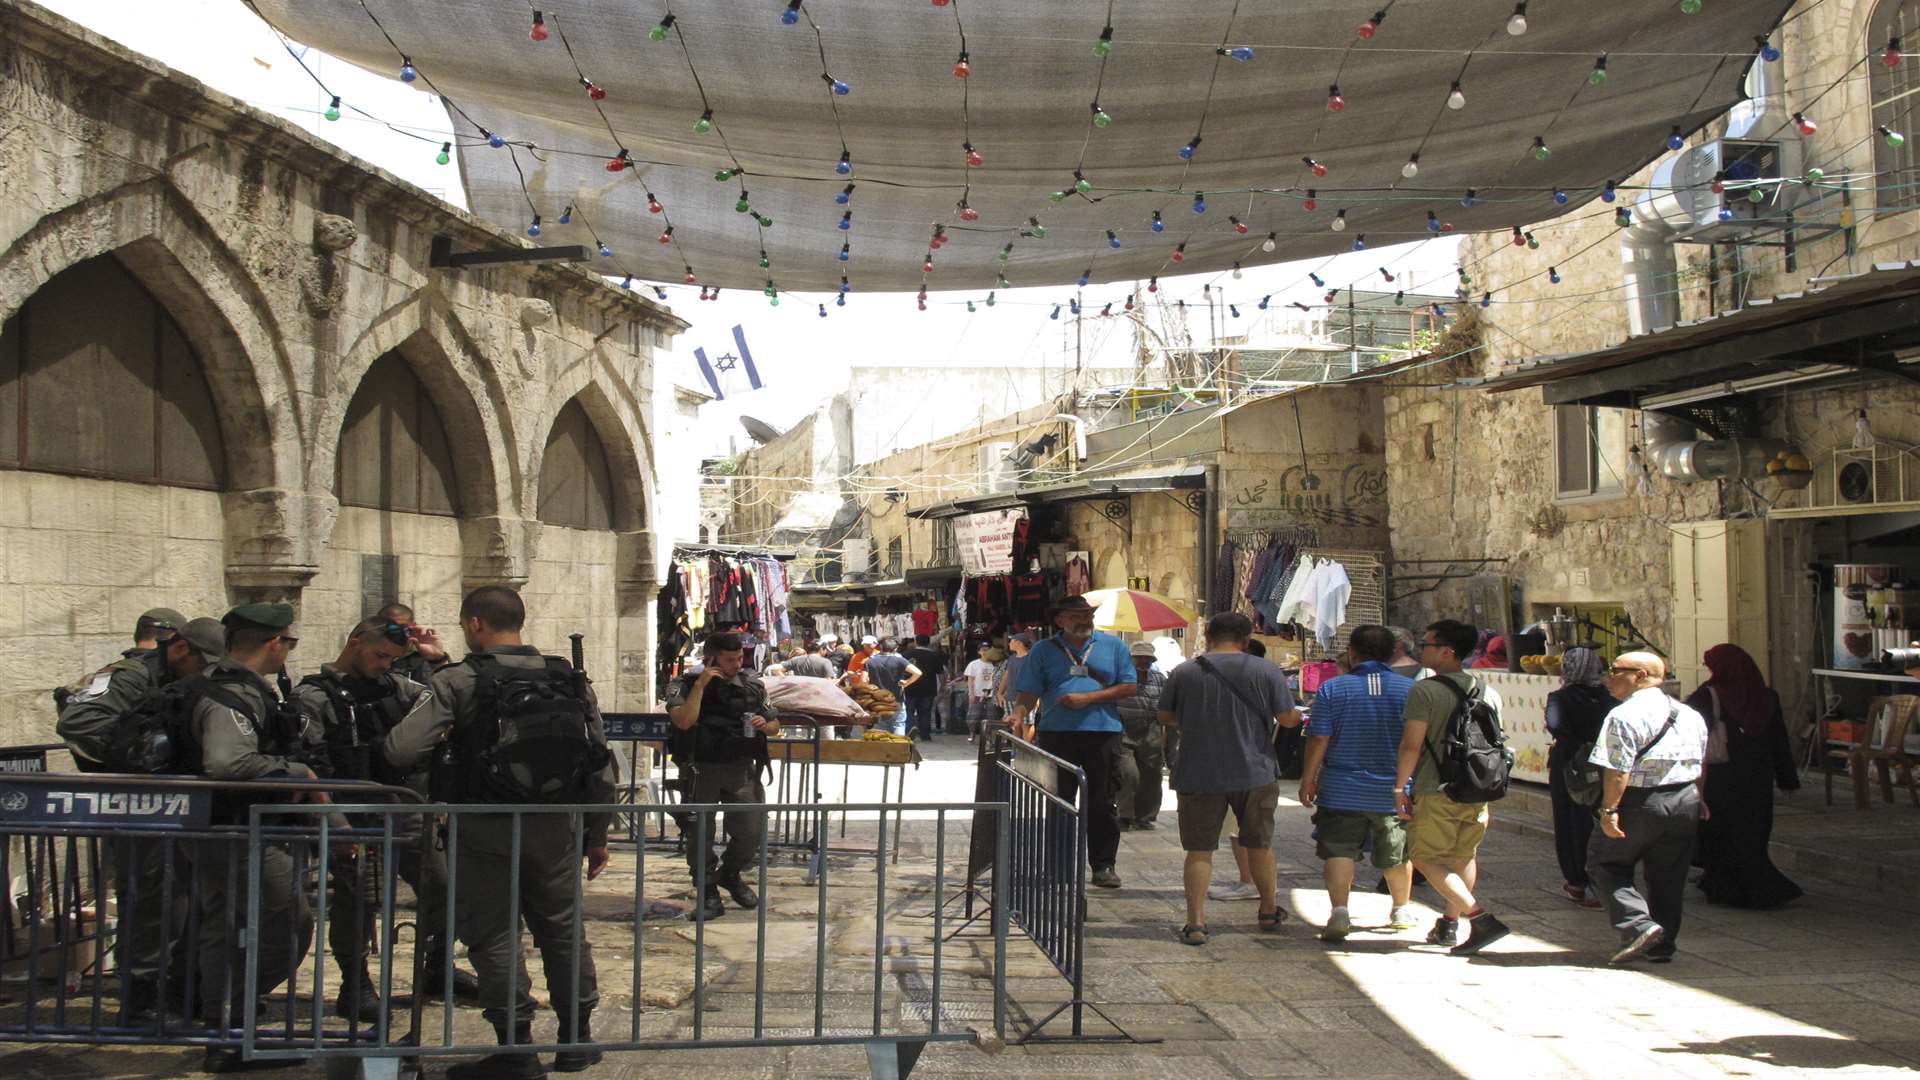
(616, 417)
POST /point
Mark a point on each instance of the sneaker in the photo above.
(1445, 932)
(1647, 938)
(1575, 893)
(1239, 890)
(1106, 877)
(1339, 925)
(1482, 931)
(1401, 919)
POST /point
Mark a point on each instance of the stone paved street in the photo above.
(1830, 986)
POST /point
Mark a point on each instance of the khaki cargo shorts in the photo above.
(1445, 831)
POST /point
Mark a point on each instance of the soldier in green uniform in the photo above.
(472, 706)
(91, 716)
(241, 730)
(722, 747)
(154, 626)
(425, 655)
(356, 701)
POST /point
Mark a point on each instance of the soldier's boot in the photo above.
(357, 999)
(434, 980)
(515, 1065)
(576, 1060)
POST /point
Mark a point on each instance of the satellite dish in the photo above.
(761, 431)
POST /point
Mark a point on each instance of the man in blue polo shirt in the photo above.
(1077, 675)
(1353, 742)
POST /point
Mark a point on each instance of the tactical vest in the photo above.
(528, 738)
(716, 735)
(355, 729)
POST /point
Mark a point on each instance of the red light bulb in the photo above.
(653, 205)
(667, 236)
(939, 3)
(923, 305)
(1807, 126)
(1153, 284)
(927, 267)
(1319, 169)
(1719, 185)
(1311, 202)
(619, 163)
(974, 160)
(1180, 253)
(1335, 102)
(1328, 299)
(1446, 226)
(1892, 56)
(539, 31)
(961, 68)
(693, 280)
(1238, 225)
(968, 213)
(593, 90)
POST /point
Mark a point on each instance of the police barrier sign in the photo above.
(27, 760)
(127, 806)
(638, 727)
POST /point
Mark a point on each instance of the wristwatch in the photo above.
(1612, 811)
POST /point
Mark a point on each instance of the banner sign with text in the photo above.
(986, 541)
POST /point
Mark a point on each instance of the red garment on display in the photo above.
(925, 623)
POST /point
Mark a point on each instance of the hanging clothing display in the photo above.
(708, 592)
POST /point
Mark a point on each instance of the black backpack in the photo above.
(531, 739)
(1474, 761)
(156, 736)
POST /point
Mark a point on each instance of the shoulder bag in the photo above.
(1273, 736)
(1584, 779)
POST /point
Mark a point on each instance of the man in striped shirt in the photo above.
(1353, 740)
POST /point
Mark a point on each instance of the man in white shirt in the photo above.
(981, 674)
(1651, 748)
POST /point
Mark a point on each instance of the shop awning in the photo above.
(1862, 326)
(1186, 477)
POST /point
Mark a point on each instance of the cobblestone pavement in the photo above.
(1827, 987)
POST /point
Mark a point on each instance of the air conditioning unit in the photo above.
(1687, 201)
(998, 475)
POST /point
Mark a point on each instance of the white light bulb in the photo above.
(1267, 244)
(1236, 273)
(1458, 98)
(1410, 170)
(1517, 25)
(1340, 223)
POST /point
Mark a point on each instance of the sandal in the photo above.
(1271, 920)
(1193, 935)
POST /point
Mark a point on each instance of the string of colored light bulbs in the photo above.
(1892, 56)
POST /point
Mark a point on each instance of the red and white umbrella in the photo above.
(1137, 612)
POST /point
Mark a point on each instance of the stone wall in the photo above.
(291, 267)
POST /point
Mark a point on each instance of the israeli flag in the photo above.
(732, 370)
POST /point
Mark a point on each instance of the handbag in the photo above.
(1241, 696)
(1584, 779)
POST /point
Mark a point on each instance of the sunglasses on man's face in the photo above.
(1618, 670)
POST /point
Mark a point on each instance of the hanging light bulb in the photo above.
(974, 160)
(1815, 175)
(1006, 251)
(1486, 300)
(1623, 217)
(1412, 168)
(1085, 276)
(1471, 197)
(846, 221)
(1318, 282)
(407, 72)
(1104, 46)
(846, 252)
(927, 267)
(1400, 297)
(1035, 229)
(1862, 431)
(845, 195)
(845, 165)
(1186, 152)
(1340, 221)
(1112, 240)
(1559, 196)
(1158, 225)
(333, 109)
(593, 89)
(1675, 140)
(1756, 195)
(1433, 222)
(1360, 242)
(845, 285)
(962, 67)
(725, 175)
(627, 282)
(1607, 193)
(1153, 283)
(1517, 22)
(1767, 50)
(496, 140)
(534, 228)
(1317, 168)
(606, 252)
(1387, 276)
(566, 215)
(1805, 123)
(939, 237)
(1179, 254)
(1236, 272)
(1367, 29)
(1234, 311)
(1553, 275)
(989, 299)
(968, 213)
(792, 14)
(1519, 239)
(704, 124)
(742, 205)
(1456, 97)
(1312, 201)
(1690, 7)
(445, 155)
(1533, 244)
(1100, 117)
(659, 31)
(1540, 150)
(1056, 313)
(1269, 243)
(1242, 53)
(1199, 203)
(1238, 225)
(1893, 138)
(666, 235)
(1725, 213)
(1639, 482)
(538, 32)
(1265, 300)
(1335, 102)
(839, 87)
(619, 163)
(1080, 183)
(1599, 73)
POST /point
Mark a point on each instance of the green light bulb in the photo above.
(970, 308)
(1057, 196)
(1597, 76)
(658, 33)
(1755, 195)
(725, 175)
(443, 157)
(1101, 119)
(704, 124)
(773, 300)
(765, 262)
(1532, 242)
(765, 222)
(742, 206)
(1039, 232)
(1102, 48)
(1540, 151)
(1082, 185)
(1895, 139)
(333, 110)
(1690, 7)
(1815, 175)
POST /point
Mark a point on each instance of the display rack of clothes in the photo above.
(1284, 585)
(708, 591)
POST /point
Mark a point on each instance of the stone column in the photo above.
(274, 540)
(636, 586)
(497, 551)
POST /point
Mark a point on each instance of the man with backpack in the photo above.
(355, 701)
(1453, 751)
(240, 728)
(97, 718)
(721, 715)
(508, 725)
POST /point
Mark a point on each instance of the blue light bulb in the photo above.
(534, 229)
(1768, 52)
(823, 311)
(1315, 278)
(1199, 204)
(1470, 198)
(843, 198)
(1234, 310)
(566, 216)
(1486, 299)
(1360, 243)
(841, 300)
(1553, 275)
(846, 221)
(841, 88)
(1433, 223)
(792, 14)
(1559, 196)
(1083, 280)
(1112, 240)
(846, 253)
(1726, 213)
(1186, 152)
(1242, 53)
(1676, 141)
(845, 165)
(496, 140)
(1606, 193)
(407, 73)
(1056, 312)
(1158, 225)
(606, 252)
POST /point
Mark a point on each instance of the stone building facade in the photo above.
(1474, 475)
(334, 421)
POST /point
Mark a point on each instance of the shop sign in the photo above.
(986, 541)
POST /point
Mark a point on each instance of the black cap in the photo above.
(206, 637)
(266, 616)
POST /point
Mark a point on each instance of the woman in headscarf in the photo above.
(1743, 714)
(1574, 714)
(1495, 658)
